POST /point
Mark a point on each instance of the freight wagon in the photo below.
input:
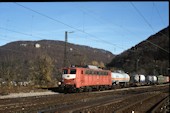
(120, 78)
(151, 79)
(137, 80)
(162, 79)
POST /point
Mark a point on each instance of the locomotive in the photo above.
(88, 78)
(78, 79)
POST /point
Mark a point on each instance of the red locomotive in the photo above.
(78, 79)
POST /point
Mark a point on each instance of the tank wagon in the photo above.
(120, 78)
(167, 79)
(162, 79)
(151, 79)
(137, 80)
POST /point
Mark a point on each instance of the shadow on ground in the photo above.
(54, 89)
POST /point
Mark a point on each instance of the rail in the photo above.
(131, 107)
(161, 106)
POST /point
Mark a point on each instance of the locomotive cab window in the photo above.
(73, 71)
(65, 71)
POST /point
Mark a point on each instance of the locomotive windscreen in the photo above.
(73, 71)
(65, 71)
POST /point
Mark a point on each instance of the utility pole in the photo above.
(65, 51)
(137, 65)
(65, 63)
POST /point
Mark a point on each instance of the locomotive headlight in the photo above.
(59, 83)
(68, 76)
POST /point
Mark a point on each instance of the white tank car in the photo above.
(137, 79)
(167, 79)
(142, 78)
(120, 77)
(151, 79)
(155, 79)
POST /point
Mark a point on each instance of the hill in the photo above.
(146, 57)
(26, 60)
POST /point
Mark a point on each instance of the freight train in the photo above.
(88, 78)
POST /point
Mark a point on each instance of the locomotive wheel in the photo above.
(88, 89)
(79, 90)
(106, 87)
(102, 88)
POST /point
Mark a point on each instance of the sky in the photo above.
(112, 26)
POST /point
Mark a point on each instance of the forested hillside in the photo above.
(151, 56)
(41, 61)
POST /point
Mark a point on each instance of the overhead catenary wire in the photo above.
(77, 52)
(99, 20)
(130, 31)
(16, 31)
(150, 27)
(26, 34)
(56, 20)
(137, 10)
(142, 16)
(158, 13)
(107, 21)
(95, 38)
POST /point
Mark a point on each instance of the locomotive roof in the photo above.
(85, 66)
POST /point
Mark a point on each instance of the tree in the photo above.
(101, 64)
(95, 63)
(41, 70)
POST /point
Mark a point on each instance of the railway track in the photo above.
(162, 106)
(93, 106)
(142, 106)
(126, 104)
(76, 102)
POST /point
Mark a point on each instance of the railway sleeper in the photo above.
(161, 106)
(131, 107)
